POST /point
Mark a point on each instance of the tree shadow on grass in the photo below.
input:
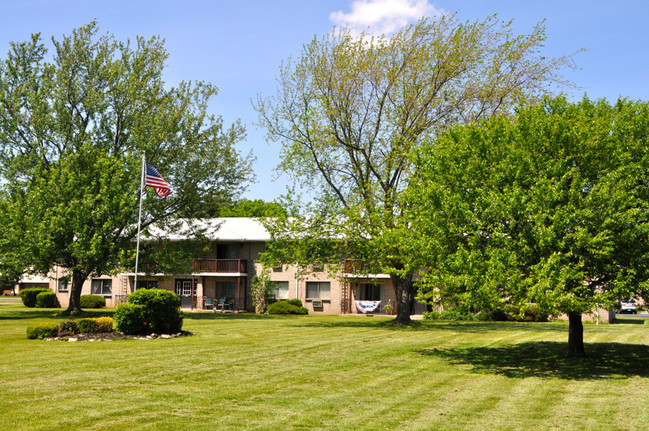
(30, 313)
(225, 316)
(444, 325)
(550, 360)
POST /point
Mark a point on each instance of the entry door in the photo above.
(184, 291)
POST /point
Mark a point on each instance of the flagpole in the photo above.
(139, 224)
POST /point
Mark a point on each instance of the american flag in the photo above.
(155, 180)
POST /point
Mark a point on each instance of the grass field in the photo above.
(334, 373)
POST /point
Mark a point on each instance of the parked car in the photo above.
(628, 306)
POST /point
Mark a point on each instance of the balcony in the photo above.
(358, 269)
(225, 266)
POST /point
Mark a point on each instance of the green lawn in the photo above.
(334, 373)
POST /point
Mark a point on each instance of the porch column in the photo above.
(200, 293)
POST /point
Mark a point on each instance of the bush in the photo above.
(87, 326)
(47, 300)
(105, 324)
(68, 328)
(129, 319)
(456, 313)
(160, 310)
(520, 313)
(92, 301)
(295, 302)
(29, 295)
(38, 331)
(286, 307)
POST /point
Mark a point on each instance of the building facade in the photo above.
(221, 280)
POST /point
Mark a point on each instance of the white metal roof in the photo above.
(239, 229)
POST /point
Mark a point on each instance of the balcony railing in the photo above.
(221, 265)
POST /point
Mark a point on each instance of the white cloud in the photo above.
(383, 16)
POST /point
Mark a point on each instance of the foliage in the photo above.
(262, 291)
(129, 319)
(92, 301)
(548, 208)
(40, 330)
(74, 125)
(286, 307)
(47, 300)
(69, 327)
(161, 312)
(28, 296)
(215, 207)
(88, 326)
(105, 324)
(294, 301)
(350, 111)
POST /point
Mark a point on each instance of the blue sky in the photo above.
(238, 45)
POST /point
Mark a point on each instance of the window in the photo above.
(281, 289)
(63, 284)
(227, 251)
(318, 290)
(146, 284)
(226, 289)
(102, 287)
(183, 287)
(370, 292)
(278, 268)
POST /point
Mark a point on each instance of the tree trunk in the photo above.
(78, 278)
(404, 290)
(576, 336)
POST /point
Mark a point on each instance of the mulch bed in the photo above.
(110, 336)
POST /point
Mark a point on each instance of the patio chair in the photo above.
(220, 306)
(208, 304)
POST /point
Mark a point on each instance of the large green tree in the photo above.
(550, 208)
(350, 111)
(73, 127)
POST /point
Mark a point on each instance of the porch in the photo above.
(220, 285)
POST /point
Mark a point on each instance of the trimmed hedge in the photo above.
(287, 307)
(38, 331)
(68, 327)
(129, 319)
(105, 324)
(47, 300)
(160, 310)
(29, 295)
(92, 301)
(88, 326)
(295, 302)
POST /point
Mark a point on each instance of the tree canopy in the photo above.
(73, 128)
(350, 111)
(551, 208)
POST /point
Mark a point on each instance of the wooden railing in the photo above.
(221, 265)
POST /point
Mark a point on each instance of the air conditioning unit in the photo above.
(316, 304)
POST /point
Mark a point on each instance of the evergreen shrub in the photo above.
(286, 307)
(87, 326)
(295, 302)
(129, 319)
(38, 331)
(28, 296)
(105, 324)
(160, 310)
(47, 299)
(68, 327)
(92, 301)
